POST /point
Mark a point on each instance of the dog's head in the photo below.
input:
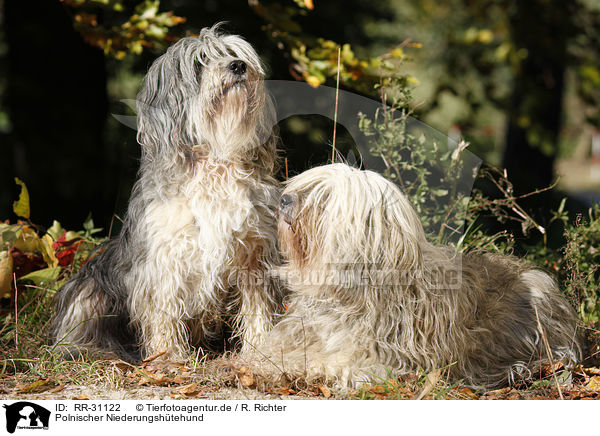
(347, 220)
(205, 97)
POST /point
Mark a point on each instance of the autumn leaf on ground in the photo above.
(594, 383)
(148, 377)
(284, 391)
(549, 369)
(246, 377)
(57, 389)
(179, 380)
(40, 385)
(377, 389)
(186, 391)
(325, 391)
(591, 371)
(154, 356)
(432, 378)
(468, 393)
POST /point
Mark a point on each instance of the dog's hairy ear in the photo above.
(155, 123)
(390, 241)
(394, 235)
(162, 105)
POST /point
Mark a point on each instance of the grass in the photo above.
(31, 368)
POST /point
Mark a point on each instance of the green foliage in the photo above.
(477, 52)
(579, 263)
(316, 59)
(120, 30)
(27, 255)
(429, 173)
(42, 277)
(88, 227)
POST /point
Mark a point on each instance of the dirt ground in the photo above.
(142, 393)
(224, 379)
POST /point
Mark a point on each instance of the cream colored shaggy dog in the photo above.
(370, 295)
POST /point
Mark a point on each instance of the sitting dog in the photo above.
(200, 231)
(370, 295)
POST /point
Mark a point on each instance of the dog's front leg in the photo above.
(256, 311)
(162, 331)
(156, 314)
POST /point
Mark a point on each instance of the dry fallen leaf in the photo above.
(392, 382)
(154, 356)
(284, 391)
(468, 393)
(501, 391)
(549, 369)
(153, 378)
(58, 388)
(246, 377)
(37, 386)
(432, 379)
(591, 371)
(377, 389)
(325, 391)
(594, 383)
(179, 380)
(186, 390)
(582, 395)
(81, 397)
(120, 365)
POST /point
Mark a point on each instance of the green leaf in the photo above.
(88, 224)
(56, 231)
(42, 276)
(9, 234)
(89, 228)
(439, 192)
(21, 206)
(562, 205)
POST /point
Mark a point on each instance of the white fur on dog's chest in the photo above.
(196, 235)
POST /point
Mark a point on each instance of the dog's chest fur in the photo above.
(204, 230)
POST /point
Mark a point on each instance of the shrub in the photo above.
(437, 177)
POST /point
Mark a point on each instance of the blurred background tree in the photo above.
(519, 80)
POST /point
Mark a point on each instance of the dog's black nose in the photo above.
(285, 202)
(286, 208)
(237, 67)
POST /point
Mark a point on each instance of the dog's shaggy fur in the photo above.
(200, 230)
(370, 294)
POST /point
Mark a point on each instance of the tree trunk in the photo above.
(540, 31)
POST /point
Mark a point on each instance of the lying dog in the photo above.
(370, 295)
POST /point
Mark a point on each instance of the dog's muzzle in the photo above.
(238, 68)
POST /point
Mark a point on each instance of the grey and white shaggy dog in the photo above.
(200, 230)
(369, 294)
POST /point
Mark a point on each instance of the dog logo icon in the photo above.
(26, 415)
